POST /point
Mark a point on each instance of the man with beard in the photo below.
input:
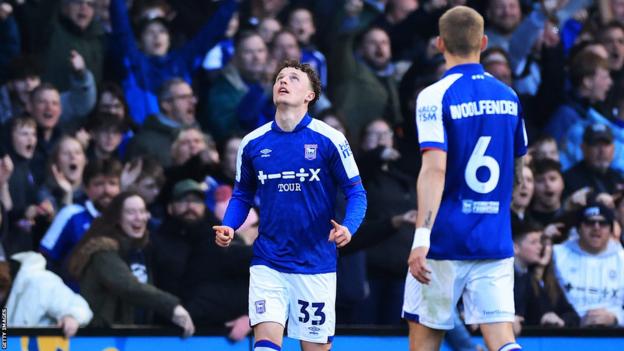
(211, 281)
(177, 103)
(101, 179)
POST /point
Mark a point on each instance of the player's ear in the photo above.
(440, 44)
(484, 42)
(310, 96)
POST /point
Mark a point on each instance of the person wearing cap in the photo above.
(211, 281)
(595, 168)
(147, 66)
(590, 269)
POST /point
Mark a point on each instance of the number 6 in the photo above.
(477, 160)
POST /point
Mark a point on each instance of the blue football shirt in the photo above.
(478, 121)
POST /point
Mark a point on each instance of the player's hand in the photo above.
(417, 262)
(339, 234)
(224, 236)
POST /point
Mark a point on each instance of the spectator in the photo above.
(107, 133)
(589, 76)
(538, 297)
(390, 192)
(495, 61)
(115, 276)
(365, 82)
(190, 143)
(547, 205)
(38, 298)
(612, 37)
(63, 185)
(211, 281)
(111, 100)
(267, 28)
(222, 53)
(239, 98)
(148, 183)
(146, 69)
(101, 179)
(177, 102)
(545, 147)
(521, 198)
(595, 170)
(590, 265)
(301, 23)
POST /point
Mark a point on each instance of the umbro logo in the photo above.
(266, 152)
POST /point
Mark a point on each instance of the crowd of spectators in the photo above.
(121, 120)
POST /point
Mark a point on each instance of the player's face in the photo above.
(529, 249)
(375, 49)
(134, 217)
(155, 39)
(302, 24)
(599, 155)
(547, 150)
(189, 208)
(377, 134)
(24, 139)
(523, 193)
(613, 41)
(292, 88)
(505, 15)
(548, 189)
(46, 108)
(594, 234)
(101, 190)
(285, 47)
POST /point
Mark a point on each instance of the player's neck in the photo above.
(453, 60)
(287, 118)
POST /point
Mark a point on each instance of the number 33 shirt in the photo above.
(296, 176)
(477, 121)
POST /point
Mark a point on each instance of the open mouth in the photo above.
(29, 147)
(73, 167)
(137, 227)
(282, 91)
(48, 115)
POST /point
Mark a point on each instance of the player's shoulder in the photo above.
(437, 90)
(255, 135)
(326, 131)
(502, 87)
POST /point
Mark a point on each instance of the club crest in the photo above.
(310, 151)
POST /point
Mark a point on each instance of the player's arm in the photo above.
(430, 186)
(241, 201)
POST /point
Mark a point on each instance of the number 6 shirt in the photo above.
(477, 121)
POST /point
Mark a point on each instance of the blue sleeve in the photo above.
(520, 140)
(10, 39)
(56, 250)
(346, 174)
(194, 51)
(525, 35)
(244, 191)
(122, 34)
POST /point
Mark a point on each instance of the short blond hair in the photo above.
(461, 30)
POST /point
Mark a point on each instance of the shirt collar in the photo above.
(302, 124)
(465, 68)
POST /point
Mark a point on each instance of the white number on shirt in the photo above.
(477, 160)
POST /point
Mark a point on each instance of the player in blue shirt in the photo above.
(472, 137)
(295, 165)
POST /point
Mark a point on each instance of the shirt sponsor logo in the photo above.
(312, 175)
(480, 207)
(484, 107)
(265, 152)
(260, 306)
(345, 149)
(310, 151)
(427, 113)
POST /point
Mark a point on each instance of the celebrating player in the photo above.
(472, 137)
(294, 165)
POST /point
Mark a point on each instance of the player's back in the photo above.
(476, 119)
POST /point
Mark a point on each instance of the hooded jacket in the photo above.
(39, 298)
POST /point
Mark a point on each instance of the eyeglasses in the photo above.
(592, 222)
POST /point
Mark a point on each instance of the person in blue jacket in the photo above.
(147, 66)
